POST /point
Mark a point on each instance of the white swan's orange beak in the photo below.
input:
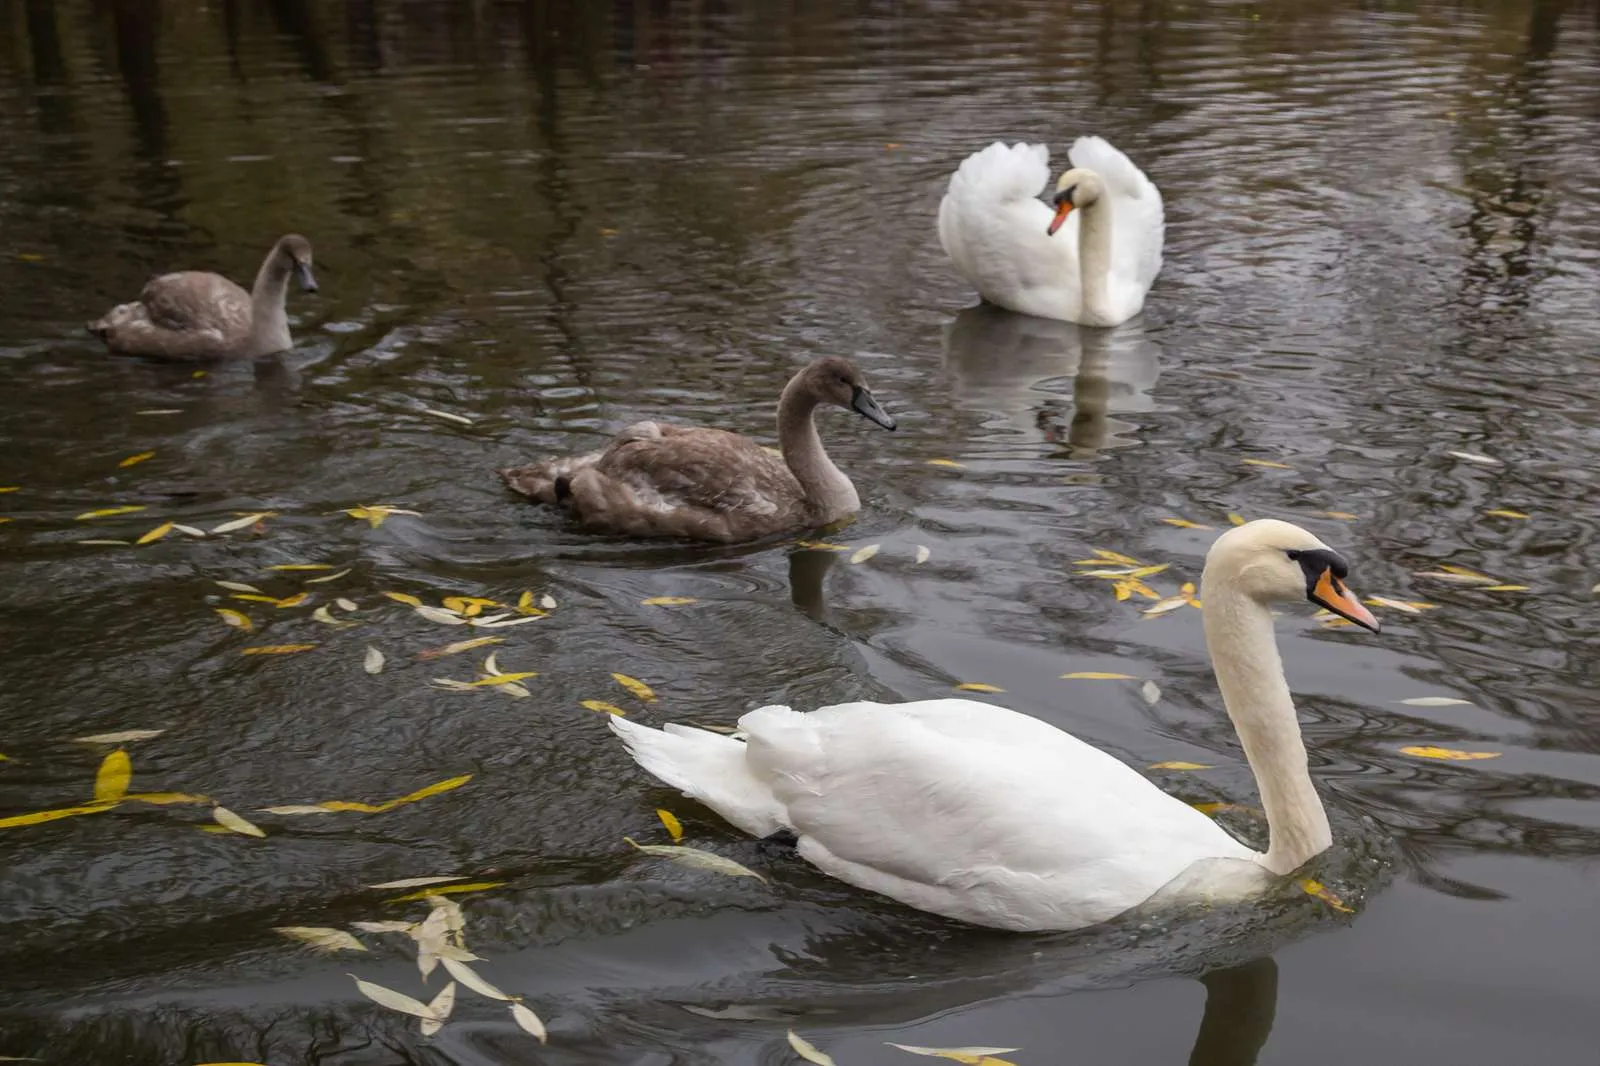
(1333, 594)
(1063, 209)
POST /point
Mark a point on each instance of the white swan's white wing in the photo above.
(706, 766)
(973, 811)
(1138, 221)
(992, 226)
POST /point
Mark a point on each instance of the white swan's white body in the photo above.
(989, 816)
(1095, 270)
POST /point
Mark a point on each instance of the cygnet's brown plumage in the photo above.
(194, 315)
(659, 480)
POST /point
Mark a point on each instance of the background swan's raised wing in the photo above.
(1139, 222)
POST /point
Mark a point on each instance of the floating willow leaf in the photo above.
(1504, 588)
(670, 820)
(635, 686)
(452, 684)
(376, 513)
(1344, 516)
(255, 597)
(373, 663)
(321, 938)
(405, 598)
(344, 604)
(39, 817)
(322, 614)
(491, 665)
(388, 997)
(111, 782)
(1408, 606)
(96, 540)
(418, 882)
(694, 857)
(1178, 764)
(971, 1056)
(124, 736)
(948, 463)
(166, 799)
(440, 615)
(1320, 891)
(296, 808)
(529, 1021)
(411, 797)
(469, 606)
(232, 822)
(501, 621)
(923, 553)
(384, 927)
(861, 555)
(1095, 675)
(1184, 523)
(1267, 463)
(242, 523)
(1503, 512)
(293, 601)
(301, 566)
(469, 977)
(1171, 603)
(329, 577)
(463, 419)
(239, 586)
(1474, 457)
(604, 708)
(547, 601)
(1151, 692)
(1236, 519)
(470, 886)
(235, 618)
(977, 686)
(161, 411)
(1425, 751)
(442, 1005)
(514, 690)
(276, 649)
(1467, 578)
(9, 488)
(1436, 701)
(808, 1051)
(156, 534)
(667, 601)
(502, 679)
(821, 546)
(107, 512)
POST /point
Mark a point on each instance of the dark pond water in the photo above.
(1383, 247)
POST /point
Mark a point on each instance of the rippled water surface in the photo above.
(1383, 248)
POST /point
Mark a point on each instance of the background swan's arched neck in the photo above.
(1244, 654)
(269, 319)
(826, 488)
(1094, 261)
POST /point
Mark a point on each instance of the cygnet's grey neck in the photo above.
(827, 490)
(269, 319)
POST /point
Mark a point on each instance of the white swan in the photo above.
(989, 816)
(1005, 241)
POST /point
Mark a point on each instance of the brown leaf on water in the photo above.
(233, 823)
(1184, 523)
(1266, 463)
(111, 782)
(1095, 675)
(1178, 764)
(125, 736)
(107, 512)
(235, 618)
(39, 817)
(667, 601)
(276, 649)
(1320, 891)
(470, 886)
(156, 534)
(604, 708)
(329, 940)
(670, 820)
(635, 686)
(1426, 751)
(977, 686)
(242, 523)
(808, 1051)
(529, 1021)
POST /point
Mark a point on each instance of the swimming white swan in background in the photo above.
(195, 315)
(659, 480)
(1089, 260)
(990, 816)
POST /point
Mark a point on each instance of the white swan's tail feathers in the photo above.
(705, 766)
(1115, 169)
(1003, 173)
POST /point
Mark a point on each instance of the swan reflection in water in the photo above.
(1030, 372)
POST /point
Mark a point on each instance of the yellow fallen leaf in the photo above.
(1113, 557)
(155, 534)
(447, 785)
(301, 566)
(1214, 808)
(604, 708)
(38, 817)
(320, 938)
(1236, 519)
(861, 555)
(977, 686)
(808, 1051)
(111, 782)
(242, 523)
(1187, 592)
(1171, 603)
(329, 577)
(235, 824)
(1425, 751)
(947, 463)
(1408, 606)
(635, 686)
(165, 799)
(460, 646)
(405, 598)
(9, 488)
(235, 618)
(468, 606)
(107, 512)
(237, 586)
(1130, 586)
(525, 604)
(376, 513)
(1095, 675)
(254, 597)
(1266, 463)
(1502, 512)
(1503, 588)
(1461, 571)
(125, 736)
(1320, 891)
(1344, 516)
(134, 460)
(501, 679)
(1178, 764)
(295, 600)
(670, 820)
(439, 890)
(1184, 523)
(276, 649)
(667, 601)
(821, 546)
(969, 1056)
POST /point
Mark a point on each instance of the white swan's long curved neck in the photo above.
(269, 320)
(825, 485)
(1249, 672)
(1094, 262)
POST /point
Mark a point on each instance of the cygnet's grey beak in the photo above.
(866, 405)
(308, 280)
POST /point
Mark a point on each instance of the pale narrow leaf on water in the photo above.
(424, 893)
(440, 615)
(124, 736)
(321, 938)
(604, 708)
(1171, 603)
(1151, 692)
(111, 782)
(329, 577)
(453, 685)
(441, 1006)
(107, 512)
(977, 686)
(1184, 523)
(973, 1056)
(460, 646)
(670, 820)
(666, 601)
(1436, 701)
(388, 997)
(949, 463)
(491, 665)
(96, 540)
(290, 809)
(156, 534)
(240, 523)
(808, 1051)
(1267, 463)
(1406, 606)
(547, 601)
(529, 1021)
(1504, 588)
(405, 598)
(635, 686)
(502, 679)
(327, 617)
(161, 411)
(821, 546)
(501, 621)
(447, 911)
(1095, 675)
(373, 662)
(1474, 457)
(861, 555)
(163, 799)
(276, 649)
(238, 586)
(232, 822)
(418, 882)
(300, 566)
(1426, 751)
(188, 531)
(515, 690)
(1179, 765)
(923, 552)
(463, 419)
(469, 977)
(694, 857)
(234, 618)
(384, 927)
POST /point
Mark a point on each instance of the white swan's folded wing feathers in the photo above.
(1003, 172)
(1139, 222)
